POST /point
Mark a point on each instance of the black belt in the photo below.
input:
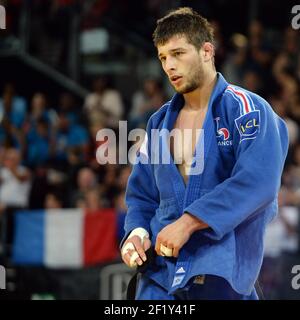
(132, 285)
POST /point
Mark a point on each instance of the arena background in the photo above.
(71, 67)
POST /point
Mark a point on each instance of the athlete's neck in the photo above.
(198, 99)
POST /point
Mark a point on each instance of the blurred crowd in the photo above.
(48, 153)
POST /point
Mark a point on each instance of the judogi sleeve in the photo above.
(260, 141)
(142, 195)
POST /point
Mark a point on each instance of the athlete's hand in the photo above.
(176, 234)
(133, 250)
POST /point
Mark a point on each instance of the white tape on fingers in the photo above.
(140, 232)
(128, 246)
(166, 251)
(132, 262)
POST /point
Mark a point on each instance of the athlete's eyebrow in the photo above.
(177, 49)
(172, 50)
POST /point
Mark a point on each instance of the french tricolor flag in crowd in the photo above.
(65, 238)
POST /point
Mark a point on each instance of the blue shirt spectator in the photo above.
(13, 107)
(38, 146)
(69, 135)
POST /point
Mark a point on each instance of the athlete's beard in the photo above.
(195, 80)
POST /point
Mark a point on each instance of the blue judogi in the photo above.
(235, 192)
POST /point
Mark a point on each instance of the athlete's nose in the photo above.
(170, 64)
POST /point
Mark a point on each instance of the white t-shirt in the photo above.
(110, 101)
(13, 192)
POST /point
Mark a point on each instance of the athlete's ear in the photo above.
(208, 51)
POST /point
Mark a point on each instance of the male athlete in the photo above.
(207, 225)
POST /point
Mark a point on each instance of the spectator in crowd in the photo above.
(15, 181)
(39, 110)
(93, 127)
(10, 136)
(104, 103)
(86, 180)
(253, 82)
(280, 240)
(121, 182)
(235, 60)
(15, 184)
(282, 110)
(12, 117)
(53, 201)
(75, 164)
(286, 81)
(145, 102)
(38, 144)
(68, 135)
(291, 49)
(39, 131)
(109, 183)
(93, 200)
(12, 106)
(259, 54)
(290, 190)
(67, 105)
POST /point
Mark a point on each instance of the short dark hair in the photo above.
(183, 21)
